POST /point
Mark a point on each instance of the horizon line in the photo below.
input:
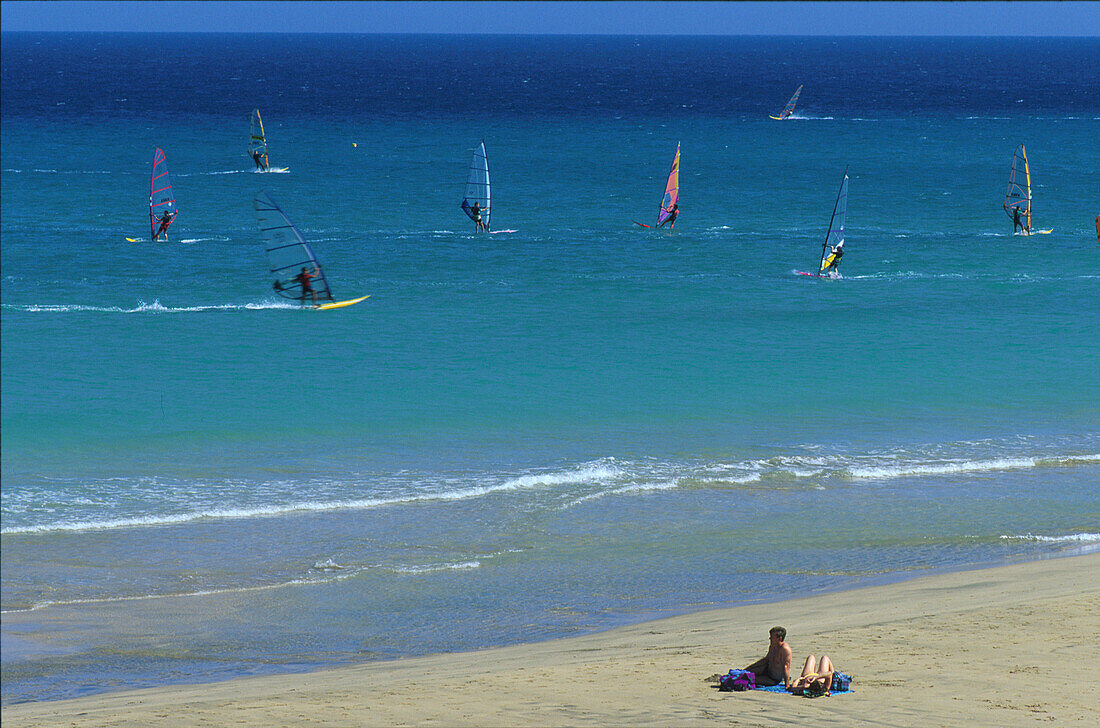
(533, 33)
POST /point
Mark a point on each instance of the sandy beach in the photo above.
(1005, 646)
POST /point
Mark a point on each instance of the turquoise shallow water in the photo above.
(533, 433)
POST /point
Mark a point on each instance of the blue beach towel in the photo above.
(841, 685)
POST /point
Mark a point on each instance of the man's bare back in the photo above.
(775, 667)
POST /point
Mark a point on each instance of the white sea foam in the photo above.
(942, 468)
(63, 171)
(207, 174)
(597, 472)
(1084, 538)
(328, 567)
(634, 488)
(570, 486)
(155, 307)
(583, 474)
(176, 595)
(427, 569)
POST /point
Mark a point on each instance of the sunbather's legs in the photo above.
(811, 661)
(826, 665)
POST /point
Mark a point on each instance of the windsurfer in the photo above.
(475, 210)
(258, 159)
(835, 254)
(165, 220)
(1017, 223)
(304, 279)
(672, 214)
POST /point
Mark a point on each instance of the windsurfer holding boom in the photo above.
(835, 254)
(304, 279)
(475, 211)
(1016, 221)
(165, 221)
(259, 160)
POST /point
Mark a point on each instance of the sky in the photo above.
(598, 18)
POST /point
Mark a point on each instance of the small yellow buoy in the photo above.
(354, 144)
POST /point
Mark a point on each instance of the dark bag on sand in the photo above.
(841, 682)
(737, 680)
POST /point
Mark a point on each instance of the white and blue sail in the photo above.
(835, 236)
(477, 186)
(287, 251)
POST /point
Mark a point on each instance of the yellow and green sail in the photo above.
(1018, 196)
(256, 140)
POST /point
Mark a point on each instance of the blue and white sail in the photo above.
(477, 186)
(287, 251)
(835, 237)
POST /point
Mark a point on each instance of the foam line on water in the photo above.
(154, 307)
(569, 486)
(1082, 538)
(943, 468)
(331, 573)
(592, 472)
(199, 593)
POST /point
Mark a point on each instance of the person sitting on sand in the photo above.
(774, 668)
(816, 678)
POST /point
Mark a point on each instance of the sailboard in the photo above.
(789, 108)
(288, 253)
(477, 187)
(257, 142)
(834, 238)
(161, 198)
(672, 193)
(1018, 196)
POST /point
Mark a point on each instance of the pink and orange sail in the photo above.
(161, 198)
(672, 190)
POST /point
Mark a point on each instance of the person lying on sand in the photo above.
(816, 678)
(774, 668)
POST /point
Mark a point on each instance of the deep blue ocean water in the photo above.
(537, 433)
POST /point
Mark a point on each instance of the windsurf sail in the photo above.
(1018, 196)
(477, 186)
(287, 251)
(835, 236)
(161, 197)
(672, 190)
(789, 108)
(256, 140)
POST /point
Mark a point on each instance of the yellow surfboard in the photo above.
(341, 304)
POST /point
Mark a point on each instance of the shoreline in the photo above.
(988, 646)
